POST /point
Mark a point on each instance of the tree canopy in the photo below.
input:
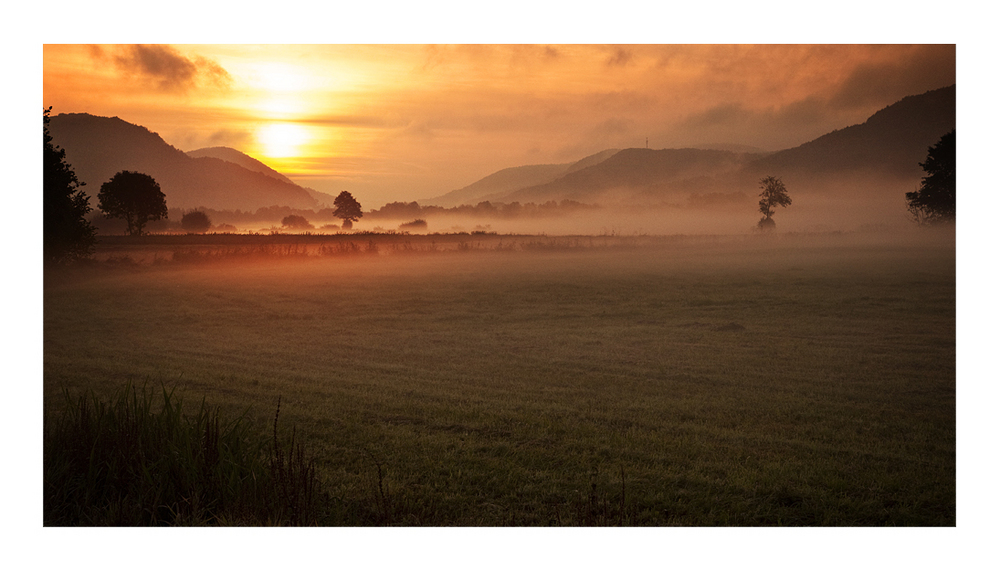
(297, 222)
(773, 194)
(134, 197)
(934, 202)
(347, 208)
(196, 221)
(66, 234)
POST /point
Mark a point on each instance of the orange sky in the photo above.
(405, 122)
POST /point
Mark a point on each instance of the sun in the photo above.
(282, 140)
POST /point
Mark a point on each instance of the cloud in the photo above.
(169, 69)
(620, 58)
(876, 82)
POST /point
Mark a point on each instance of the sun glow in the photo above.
(282, 140)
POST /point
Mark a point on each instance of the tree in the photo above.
(134, 197)
(196, 221)
(772, 195)
(296, 221)
(934, 202)
(66, 234)
(347, 209)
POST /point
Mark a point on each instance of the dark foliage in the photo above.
(418, 224)
(772, 195)
(134, 197)
(347, 209)
(296, 222)
(934, 202)
(67, 235)
(196, 221)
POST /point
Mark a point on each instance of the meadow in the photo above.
(785, 380)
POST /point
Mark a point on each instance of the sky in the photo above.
(407, 122)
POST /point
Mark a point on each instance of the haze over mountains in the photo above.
(886, 147)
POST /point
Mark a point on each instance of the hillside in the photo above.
(630, 172)
(99, 147)
(892, 141)
(246, 161)
(511, 179)
(884, 150)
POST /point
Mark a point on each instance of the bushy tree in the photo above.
(347, 208)
(66, 234)
(772, 195)
(934, 202)
(134, 197)
(296, 221)
(196, 221)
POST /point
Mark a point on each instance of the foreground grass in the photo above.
(123, 463)
(772, 383)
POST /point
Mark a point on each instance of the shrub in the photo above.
(418, 224)
(297, 222)
(196, 221)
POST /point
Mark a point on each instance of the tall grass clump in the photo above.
(127, 462)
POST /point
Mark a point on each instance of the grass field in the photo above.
(783, 380)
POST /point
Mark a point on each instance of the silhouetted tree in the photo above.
(934, 202)
(196, 221)
(296, 221)
(772, 195)
(66, 234)
(347, 208)
(134, 197)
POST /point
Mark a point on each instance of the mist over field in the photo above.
(504, 303)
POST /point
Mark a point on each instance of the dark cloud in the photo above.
(924, 68)
(169, 69)
(620, 58)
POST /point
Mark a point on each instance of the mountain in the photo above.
(99, 147)
(508, 180)
(892, 141)
(246, 161)
(887, 147)
(632, 171)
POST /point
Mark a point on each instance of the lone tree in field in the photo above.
(347, 208)
(66, 235)
(772, 195)
(934, 202)
(196, 221)
(134, 197)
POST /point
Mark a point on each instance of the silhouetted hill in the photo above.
(891, 142)
(99, 147)
(886, 147)
(246, 161)
(507, 180)
(633, 172)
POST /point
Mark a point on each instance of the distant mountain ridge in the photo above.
(888, 145)
(246, 161)
(98, 147)
(511, 179)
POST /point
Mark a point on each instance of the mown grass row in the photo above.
(138, 460)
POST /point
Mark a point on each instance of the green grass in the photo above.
(787, 381)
